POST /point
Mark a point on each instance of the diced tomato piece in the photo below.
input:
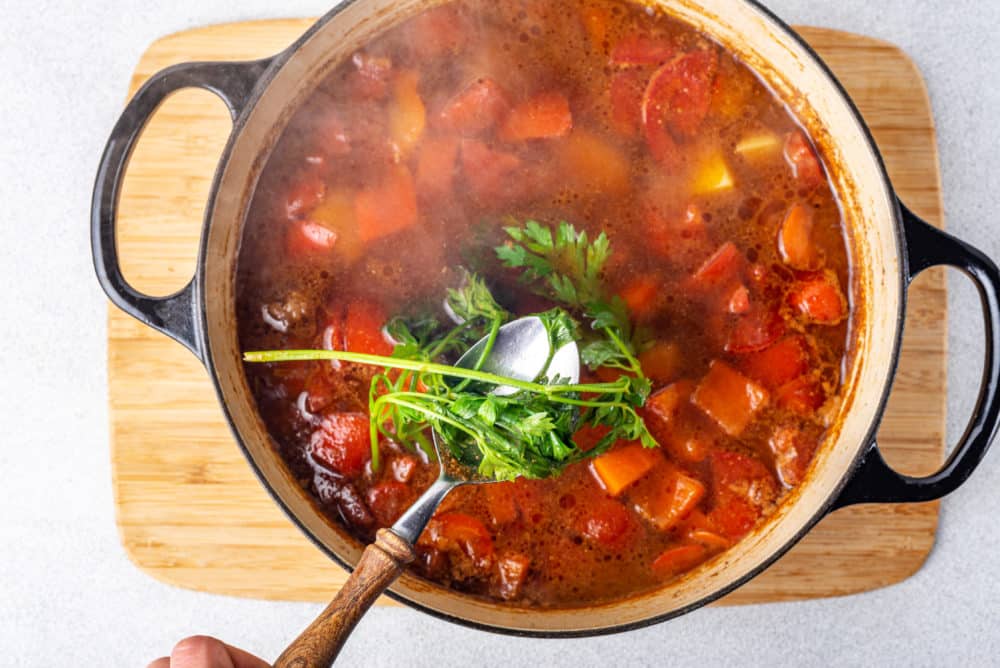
(307, 191)
(666, 405)
(667, 496)
(388, 207)
(795, 242)
(439, 31)
(596, 18)
(588, 163)
(544, 116)
(604, 521)
(739, 300)
(623, 466)
(662, 362)
(480, 106)
(755, 331)
(587, 437)
(639, 49)
(513, 570)
(742, 488)
(677, 99)
(626, 92)
(711, 540)
(342, 443)
(403, 467)
(363, 329)
(819, 300)
(804, 395)
(793, 451)
(803, 160)
(388, 500)
(721, 270)
(492, 175)
(729, 398)
(370, 77)
(640, 295)
(306, 237)
(783, 362)
(436, 166)
(677, 560)
(448, 531)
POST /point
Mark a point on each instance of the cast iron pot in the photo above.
(891, 246)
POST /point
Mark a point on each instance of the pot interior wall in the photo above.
(868, 207)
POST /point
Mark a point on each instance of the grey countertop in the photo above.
(68, 594)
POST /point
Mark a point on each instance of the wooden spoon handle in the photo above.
(381, 563)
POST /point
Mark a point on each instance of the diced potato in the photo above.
(759, 145)
(336, 213)
(713, 176)
(407, 114)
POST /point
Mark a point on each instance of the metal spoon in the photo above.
(521, 351)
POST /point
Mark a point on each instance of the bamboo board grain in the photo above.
(190, 511)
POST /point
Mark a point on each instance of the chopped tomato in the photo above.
(742, 488)
(784, 361)
(661, 362)
(755, 331)
(492, 175)
(623, 466)
(804, 395)
(677, 560)
(819, 300)
(513, 570)
(641, 49)
(370, 77)
(721, 270)
(480, 106)
(793, 451)
(795, 242)
(387, 208)
(448, 531)
(407, 114)
(388, 500)
(802, 158)
(587, 437)
(342, 443)
(307, 191)
(678, 96)
(363, 329)
(667, 496)
(436, 166)
(729, 398)
(640, 295)
(544, 116)
(605, 521)
(589, 163)
(626, 92)
(306, 237)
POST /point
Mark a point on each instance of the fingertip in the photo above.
(200, 652)
(162, 662)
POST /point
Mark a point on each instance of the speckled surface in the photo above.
(69, 596)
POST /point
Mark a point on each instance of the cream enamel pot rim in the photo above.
(890, 246)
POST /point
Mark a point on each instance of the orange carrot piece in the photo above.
(820, 300)
(623, 466)
(729, 398)
(677, 560)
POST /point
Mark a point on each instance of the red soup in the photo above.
(724, 263)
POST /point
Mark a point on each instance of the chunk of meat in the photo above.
(388, 207)
(677, 560)
(742, 490)
(544, 116)
(344, 496)
(342, 443)
(478, 107)
(781, 363)
(458, 532)
(623, 466)
(729, 398)
(512, 570)
(755, 330)
(804, 395)
(802, 159)
(819, 300)
(795, 239)
(388, 500)
(642, 49)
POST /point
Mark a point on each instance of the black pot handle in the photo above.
(175, 315)
(874, 481)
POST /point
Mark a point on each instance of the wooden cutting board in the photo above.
(191, 512)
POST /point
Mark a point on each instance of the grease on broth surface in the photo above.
(728, 249)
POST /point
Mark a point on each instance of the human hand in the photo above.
(205, 652)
